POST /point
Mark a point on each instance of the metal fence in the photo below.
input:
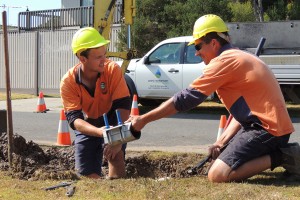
(56, 18)
(39, 59)
(61, 18)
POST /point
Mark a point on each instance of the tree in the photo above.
(242, 12)
(258, 10)
(187, 12)
(149, 26)
(157, 20)
(293, 10)
(277, 11)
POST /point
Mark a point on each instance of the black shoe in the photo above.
(291, 158)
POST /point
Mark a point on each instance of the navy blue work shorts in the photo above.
(251, 143)
(89, 155)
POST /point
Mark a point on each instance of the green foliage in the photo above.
(277, 11)
(157, 20)
(242, 12)
(186, 13)
(293, 10)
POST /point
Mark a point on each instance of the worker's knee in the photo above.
(219, 172)
(216, 176)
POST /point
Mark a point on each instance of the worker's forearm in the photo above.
(233, 127)
(165, 109)
(87, 129)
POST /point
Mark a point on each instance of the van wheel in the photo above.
(130, 85)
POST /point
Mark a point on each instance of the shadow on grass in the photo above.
(275, 178)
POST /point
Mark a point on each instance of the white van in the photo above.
(166, 69)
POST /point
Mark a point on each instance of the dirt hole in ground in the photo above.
(34, 162)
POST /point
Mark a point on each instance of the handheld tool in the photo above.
(63, 184)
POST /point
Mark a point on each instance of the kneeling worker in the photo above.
(249, 90)
(94, 86)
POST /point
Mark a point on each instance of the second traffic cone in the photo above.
(41, 106)
(134, 107)
(63, 137)
(221, 125)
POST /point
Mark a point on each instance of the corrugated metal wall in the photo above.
(22, 61)
(55, 58)
(38, 60)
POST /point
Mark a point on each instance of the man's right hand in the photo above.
(214, 151)
(136, 123)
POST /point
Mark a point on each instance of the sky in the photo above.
(13, 7)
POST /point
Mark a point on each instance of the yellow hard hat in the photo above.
(87, 38)
(206, 24)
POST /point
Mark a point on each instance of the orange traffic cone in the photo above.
(41, 106)
(134, 107)
(221, 125)
(63, 137)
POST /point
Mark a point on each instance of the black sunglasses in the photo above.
(199, 46)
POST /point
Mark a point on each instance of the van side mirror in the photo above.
(146, 60)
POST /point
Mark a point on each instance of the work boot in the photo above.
(291, 158)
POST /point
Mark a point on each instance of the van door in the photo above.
(192, 67)
(161, 73)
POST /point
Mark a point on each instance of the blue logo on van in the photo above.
(157, 74)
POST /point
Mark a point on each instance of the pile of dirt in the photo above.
(33, 162)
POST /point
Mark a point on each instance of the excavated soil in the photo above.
(33, 162)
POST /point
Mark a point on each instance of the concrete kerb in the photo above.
(30, 105)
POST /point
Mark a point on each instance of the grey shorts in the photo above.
(88, 156)
(89, 150)
(251, 143)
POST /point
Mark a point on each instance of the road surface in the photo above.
(183, 132)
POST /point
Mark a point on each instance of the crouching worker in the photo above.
(94, 86)
(261, 125)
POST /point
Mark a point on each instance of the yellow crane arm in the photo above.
(103, 18)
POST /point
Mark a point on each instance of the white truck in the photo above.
(281, 50)
(172, 65)
(166, 69)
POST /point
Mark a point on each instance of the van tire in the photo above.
(131, 86)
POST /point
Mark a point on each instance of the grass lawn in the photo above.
(268, 185)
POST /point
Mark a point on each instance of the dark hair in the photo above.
(85, 53)
(214, 35)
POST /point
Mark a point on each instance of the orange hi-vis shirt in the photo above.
(248, 89)
(110, 86)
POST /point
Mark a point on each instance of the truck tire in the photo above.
(131, 86)
(291, 93)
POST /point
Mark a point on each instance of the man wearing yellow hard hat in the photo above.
(94, 86)
(260, 126)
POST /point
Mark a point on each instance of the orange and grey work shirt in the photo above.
(111, 93)
(246, 86)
